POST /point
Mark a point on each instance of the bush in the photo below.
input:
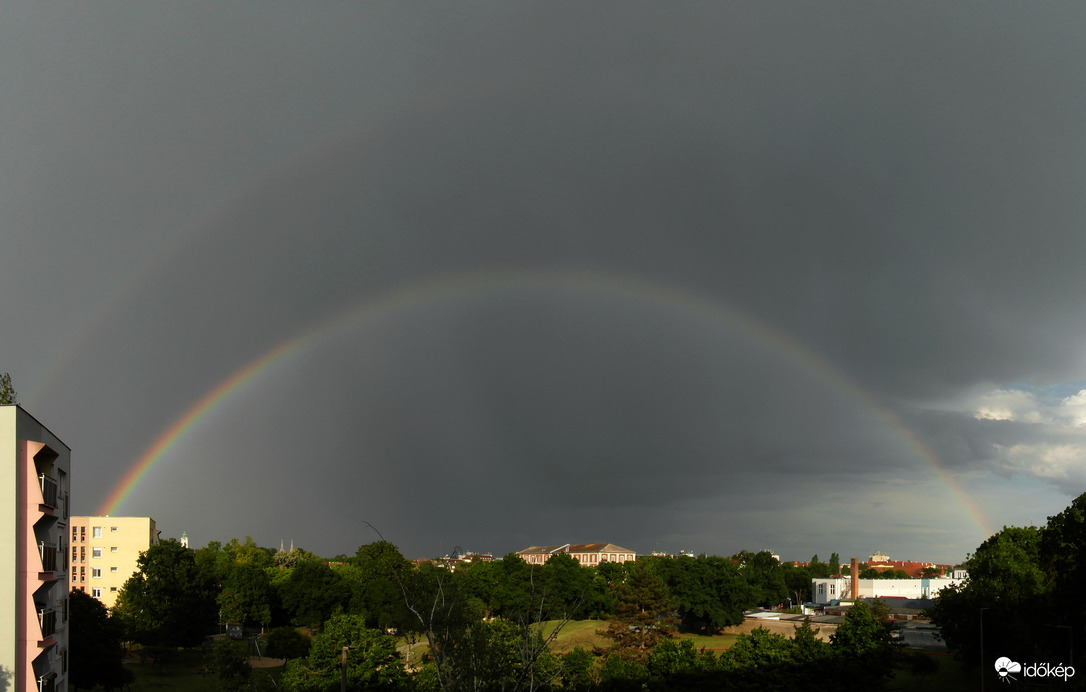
(287, 642)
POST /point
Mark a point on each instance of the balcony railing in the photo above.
(48, 490)
(48, 621)
(48, 555)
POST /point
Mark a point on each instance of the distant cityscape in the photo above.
(51, 553)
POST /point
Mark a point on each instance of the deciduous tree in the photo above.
(313, 593)
(168, 601)
(372, 661)
(7, 391)
(97, 656)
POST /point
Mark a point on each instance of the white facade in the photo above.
(824, 591)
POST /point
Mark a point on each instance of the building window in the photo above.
(96, 551)
(112, 569)
(97, 593)
(833, 589)
(97, 532)
(113, 589)
(113, 529)
(113, 549)
(96, 573)
(821, 589)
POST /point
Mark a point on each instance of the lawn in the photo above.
(584, 633)
(189, 670)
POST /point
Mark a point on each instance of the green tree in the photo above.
(759, 661)
(376, 572)
(862, 646)
(97, 655)
(834, 565)
(7, 391)
(246, 595)
(231, 665)
(313, 592)
(372, 661)
(1007, 591)
(819, 570)
(1062, 554)
(287, 642)
(563, 588)
(643, 605)
(764, 576)
(797, 579)
(708, 591)
(168, 601)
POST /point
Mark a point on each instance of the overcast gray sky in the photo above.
(796, 276)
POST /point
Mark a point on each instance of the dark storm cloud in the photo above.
(894, 191)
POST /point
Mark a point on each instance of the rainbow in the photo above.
(462, 285)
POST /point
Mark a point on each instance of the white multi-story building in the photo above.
(104, 553)
(34, 505)
(824, 591)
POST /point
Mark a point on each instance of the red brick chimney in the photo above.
(855, 579)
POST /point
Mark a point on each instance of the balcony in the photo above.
(48, 491)
(47, 619)
(48, 555)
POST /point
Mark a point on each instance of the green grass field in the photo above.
(187, 671)
(585, 634)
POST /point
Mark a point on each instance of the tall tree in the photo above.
(798, 582)
(1062, 554)
(708, 591)
(643, 604)
(246, 595)
(313, 592)
(97, 657)
(765, 577)
(376, 572)
(168, 601)
(862, 647)
(7, 392)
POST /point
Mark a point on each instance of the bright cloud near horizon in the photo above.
(698, 278)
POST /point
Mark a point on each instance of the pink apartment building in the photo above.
(34, 487)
